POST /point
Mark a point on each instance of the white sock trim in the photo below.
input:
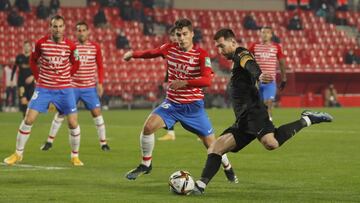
(307, 120)
(201, 184)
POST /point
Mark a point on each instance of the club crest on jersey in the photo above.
(207, 62)
(191, 60)
(76, 55)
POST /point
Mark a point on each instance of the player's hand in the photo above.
(128, 55)
(100, 90)
(29, 80)
(23, 101)
(282, 85)
(177, 84)
(265, 78)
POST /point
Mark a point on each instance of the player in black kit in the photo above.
(26, 82)
(252, 119)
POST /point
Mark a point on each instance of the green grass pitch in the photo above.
(320, 164)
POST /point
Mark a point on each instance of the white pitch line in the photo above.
(31, 167)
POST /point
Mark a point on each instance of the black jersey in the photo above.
(22, 62)
(243, 85)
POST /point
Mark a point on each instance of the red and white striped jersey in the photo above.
(267, 56)
(53, 63)
(194, 66)
(90, 62)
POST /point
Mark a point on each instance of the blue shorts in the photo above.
(88, 96)
(268, 91)
(63, 99)
(192, 117)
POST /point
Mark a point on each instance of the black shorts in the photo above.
(253, 123)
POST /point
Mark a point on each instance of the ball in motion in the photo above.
(181, 183)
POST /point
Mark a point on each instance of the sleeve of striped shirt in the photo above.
(74, 58)
(251, 48)
(99, 62)
(35, 55)
(152, 53)
(279, 53)
(206, 73)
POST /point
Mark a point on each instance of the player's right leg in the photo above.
(147, 142)
(222, 145)
(196, 121)
(55, 126)
(22, 137)
(268, 95)
(161, 117)
(38, 104)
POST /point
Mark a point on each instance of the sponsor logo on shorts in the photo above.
(209, 131)
(74, 109)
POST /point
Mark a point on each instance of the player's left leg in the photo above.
(91, 100)
(273, 140)
(100, 126)
(65, 102)
(170, 135)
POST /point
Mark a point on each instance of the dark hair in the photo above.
(82, 23)
(224, 32)
(183, 22)
(57, 17)
(172, 30)
(27, 42)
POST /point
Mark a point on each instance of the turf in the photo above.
(320, 164)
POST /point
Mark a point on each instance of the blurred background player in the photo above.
(267, 54)
(25, 80)
(331, 98)
(170, 135)
(84, 83)
(52, 62)
(252, 119)
(189, 71)
(10, 90)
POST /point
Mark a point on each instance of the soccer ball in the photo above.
(181, 183)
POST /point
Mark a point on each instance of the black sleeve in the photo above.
(13, 72)
(253, 68)
(21, 79)
(166, 77)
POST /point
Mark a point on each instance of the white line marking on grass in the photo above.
(30, 167)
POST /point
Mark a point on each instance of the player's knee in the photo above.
(72, 122)
(149, 128)
(215, 148)
(270, 144)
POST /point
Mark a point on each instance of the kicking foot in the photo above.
(316, 117)
(13, 159)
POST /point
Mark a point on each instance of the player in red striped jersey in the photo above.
(189, 71)
(84, 83)
(53, 61)
(267, 54)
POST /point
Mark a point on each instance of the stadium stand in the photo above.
(318, 49)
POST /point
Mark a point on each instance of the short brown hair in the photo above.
(183, 22)
(82, 23)
(172, 30)
(224, 32)
(57, 17)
